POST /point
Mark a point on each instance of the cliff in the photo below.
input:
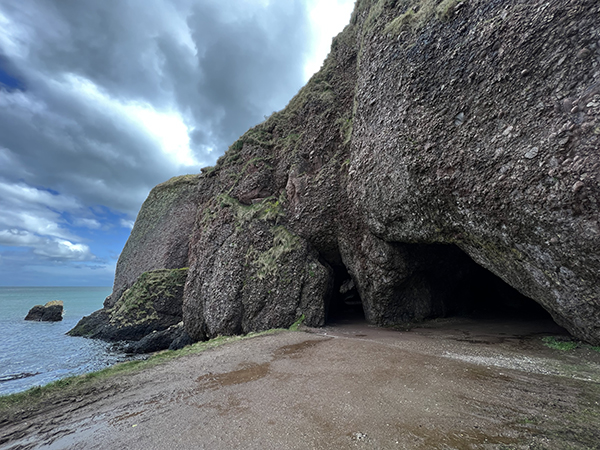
(439, 139)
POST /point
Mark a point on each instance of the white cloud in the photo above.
(87, 223)
(167, 128)
(114, 98)
(21, 193)
(36, 210)
(126, 223)
(328, 18)
(33, 218)
(59, 249)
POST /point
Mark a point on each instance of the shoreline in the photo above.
(451, 384)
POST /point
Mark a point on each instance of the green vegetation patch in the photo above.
(560, 343)
(267, 263)
(415, 15)
(270, 209)
(567, 343)
(137, 304)
(181, 180)
(296, 325)
(345, 124)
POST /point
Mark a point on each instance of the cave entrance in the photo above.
(444, 282)
(345, 304)
(484, 295)
(457, 287)
(487, 308)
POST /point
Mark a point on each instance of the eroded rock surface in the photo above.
(436, 134)
(159, 239)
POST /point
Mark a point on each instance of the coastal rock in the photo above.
(438, 146)
(153, 303)
(50, 312)
(159, 238)
(249, 274)
(173, 338)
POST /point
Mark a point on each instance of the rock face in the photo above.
(439, 138)
(50, 312)
(173, 338)
(152, 304)
(159, 239)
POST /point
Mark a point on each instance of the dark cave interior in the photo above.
(457, 286)
(345, 303)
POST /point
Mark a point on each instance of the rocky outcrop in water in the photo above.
(151, 305)
(50, 312)
(439, 138)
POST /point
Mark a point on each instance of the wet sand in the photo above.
(453, 384)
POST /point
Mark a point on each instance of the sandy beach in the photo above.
(453, 384)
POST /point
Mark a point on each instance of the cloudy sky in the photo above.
(101, 100)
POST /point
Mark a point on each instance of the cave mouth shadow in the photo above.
(482, 296)
(345, 304)
(456, 287)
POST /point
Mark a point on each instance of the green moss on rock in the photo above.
(270, 209)
(267, 263)
(150, 295)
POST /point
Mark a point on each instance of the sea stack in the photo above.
(50, 312)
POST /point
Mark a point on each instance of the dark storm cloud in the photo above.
(94, 96)
(249, 63)
(220, 65)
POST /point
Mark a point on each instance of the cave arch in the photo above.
(432, 281)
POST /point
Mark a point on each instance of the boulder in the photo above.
(50, 312)
(173, 338)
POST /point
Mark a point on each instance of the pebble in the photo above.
(577, 186)
(583, 53)
(459, 119)
(358, 436)
(532, 153)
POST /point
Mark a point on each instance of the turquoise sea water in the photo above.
(42, 348)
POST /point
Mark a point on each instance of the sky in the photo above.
(102, 100)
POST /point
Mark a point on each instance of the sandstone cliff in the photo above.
(437, 133)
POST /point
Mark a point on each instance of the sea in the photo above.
(36, 353)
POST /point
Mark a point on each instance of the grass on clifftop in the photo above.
(411, 14)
